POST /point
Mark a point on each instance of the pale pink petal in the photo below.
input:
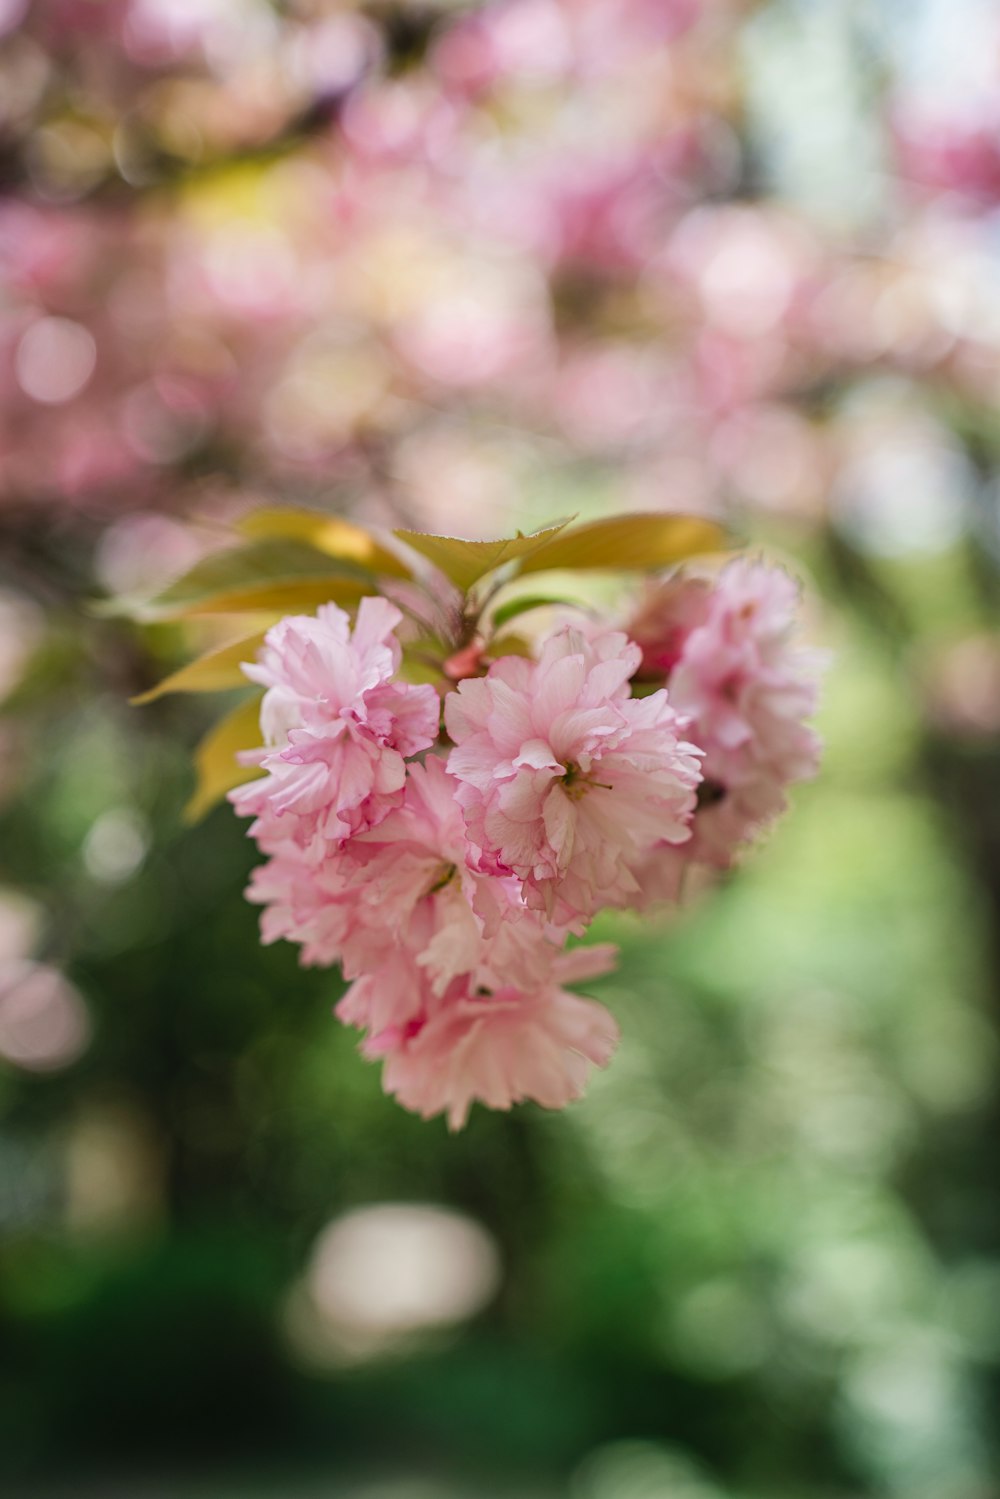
(565, 780)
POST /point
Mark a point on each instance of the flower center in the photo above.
(575, 783)
(443, 875)
(710, 793)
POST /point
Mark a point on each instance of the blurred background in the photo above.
(465, 267)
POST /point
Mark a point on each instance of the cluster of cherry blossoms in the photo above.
(442, 842)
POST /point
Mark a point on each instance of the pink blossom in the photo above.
(748, 688)
(403, 893)
(338, 729)
(502, 1044)
(456, 981)
(661, 626)
(565, 780)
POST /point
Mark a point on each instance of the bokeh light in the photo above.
(43, 1021)
(378, 1275)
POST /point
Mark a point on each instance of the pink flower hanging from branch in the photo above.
(442, 804)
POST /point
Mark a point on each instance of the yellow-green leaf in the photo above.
(279, 573)
(465, 562)
(507, 645)
(327, 533)
(524, 605)
(213, 672)
(294, 596)
(629, 542)
(216, 765)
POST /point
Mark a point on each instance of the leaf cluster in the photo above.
(289, 561)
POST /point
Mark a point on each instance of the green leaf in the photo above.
(216, 766)
(212, 672)
(271, 574)
(514, 607)
(330, 534)
(629, 542)
(465, 562)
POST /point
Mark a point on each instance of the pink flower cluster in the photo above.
(445, 870)
(729, 656)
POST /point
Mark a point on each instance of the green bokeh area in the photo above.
(760, 1258)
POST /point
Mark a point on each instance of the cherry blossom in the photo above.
(502, 1044)
(336, 725)
(566, 780)
(736, 669)
(444, 870)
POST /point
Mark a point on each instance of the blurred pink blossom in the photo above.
(746, 688)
